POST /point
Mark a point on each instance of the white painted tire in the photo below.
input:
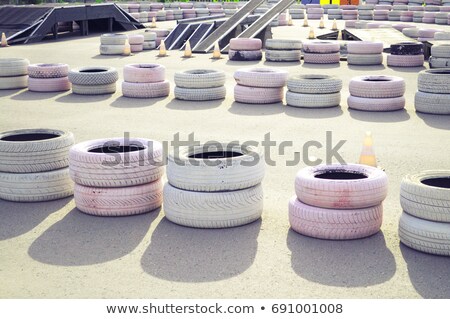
(34, 150)
(405, 60)
(146, 90)
(245, 44)
(442, 36)
(341, 193)
(199, 79)
(336, 224)
(13, 67)
(113, 39)
(94, 89)
(149, 36)
(365, 59)
(49, 84)
(112, 49)
(377, 86)
(188, 169)
(151, 45)
(425, 236)
(48, 70)
(439, 63)
(321, 58)
(281, 44)
(432, 103)
(255, 95)
(36, 187)
(376, 104)
(261, 77)
(122, 201)
(13, 82)
(91, 165)
(283, 55)
(205, 94)
(93, 75)
(313, 100)
(434, 81)
(213, 209)
(364, 47)
(314, 84)
(144, 73)
(316, 46)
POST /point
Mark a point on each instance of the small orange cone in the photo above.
(162, 49)
(305, 22)
(367, 156)
(334, 27)
(4, 42)
(216, 52)
(127, 48)
(311, 34)
(321, 24)
(187, 50)
(153, 25)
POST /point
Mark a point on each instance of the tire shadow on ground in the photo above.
(380, 117)
(256, 109)
(182, 105)
(243, 63)
(19, 218)
(109, 57)
(33, 96)
(73, 98)
(313, 113)
(429, 274)
(321, 66)
(126, 102)
(5, 93)
(407, 69)
(80, 239)
(349, 263)
(380, 67)
(184, 254)
(435, 120)
(281, 64)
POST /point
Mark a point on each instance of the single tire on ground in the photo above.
(13, 82)
(112, 49)
(321, 58)
(365, 59)
(205, 94)
(94, 89)
(48, 84)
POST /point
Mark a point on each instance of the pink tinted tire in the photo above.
(146, 90)
(405, 60)
(377, 86)
(321, 47)
(144, 73)
(48, 84)
(50, 70)
(245, 44)
(321, 58)
(376, 105)
(254, 95)
(135, 39)
(261, 77)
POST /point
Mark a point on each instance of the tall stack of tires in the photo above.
(178, 14)
(321, 52)
(297, 12)
(259, 85)
(136, 42)
(210, 186)
(48, 77)
(440, 56)
(200, 85)
(113, 43)
(245, 49)
(334, 14)
(149, 40)
(364, 53)
(380, 14)
(278, 50)
(365, 12)
(189, 13)
(376, 93)
(13, 73)
(425, 222)
(433, 94)
(34, 165)
(349, 12)
(313, 91)
(145, 80)
(338, 202)
(117, 176)
(93, 80)
(406, 54)
(314, 12)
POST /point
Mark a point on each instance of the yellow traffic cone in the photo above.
(311, 34)
(290, 22)
(334, 27)
(216, 52)
(367, 156)
(127, 48)
(4, 42)
(153, 25)
(162, 49)
(305, 22)
(321, 24)
(187, 50)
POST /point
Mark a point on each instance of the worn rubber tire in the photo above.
(321, 47)
(149, 36)
(364, 47)
(407, 48)
(261, 77)
(256, 95)
(344, 193)
(440, 50)
(36, 187)
(218, 174)
(283, 55)
(19, 154)
(321, 58)
(425, 236)
(337, 224)
(94, 89)
(205, 94)
(113, 39)
(151, 45)
(281, 44)
(439, 63)
(213, 209)
(442, 36)
(48, 84)
(93, 76)
(365, 59)
(432, 103)
(434, 81)
(122, 201)
(13, 67)
(144, 73)
(313, 100)
(199, 79)
(377, 86)
(411, 32)
(112, 49)
(254, 55)
(136, 47)
(376, 104)
(13, 82)
(405, 60)
(314, 84)
(50, 70)
(245, 44)
(146, 90)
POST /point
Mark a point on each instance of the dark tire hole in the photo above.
(443, 182)
(341, 175)
(116, 149)
(29, 137)
(93, 71)
(217, 154)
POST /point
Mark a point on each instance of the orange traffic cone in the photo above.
(162, 49)
(334, 27)
(321, 24)
(311, 34)
(4, 42)
(153, 25)
(127, 48)
(187, 50)
(367, 156)
(305, 22)
(216, 52)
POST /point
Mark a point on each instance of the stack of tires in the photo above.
(364, 53)
(418, 15)
(13, 73)
(297, 13)
(117, 177)
(427, 34)
(146, 80)
(348, 13)
(33, 165)
(136, 42)
(133, 7)
(212, 186)
(187, 5)
(113, 43)
(313, 91)
(406, 16)
(314, 12)
(156, 7)
(200, 85)
(282, 19)
(365, 12)
(161, 34)
(334, 14)
(259, 85)
(440, 56)
(144, 7)
(394, 15)
(441, 18)
(425, 222)
(380, 15)
(433, 94)
(202, 12)
(328, 7)
(189, 13)
(161, 15)
(442, 36)
(149, 40)
(283, 50)
(169, 15)
(93, 80)
(321, 52)
(406, 54)
(376, 93)
(178, 14)
(338, 202)
(143, 17)
(428, 17)
(245, 49)
(48, 77)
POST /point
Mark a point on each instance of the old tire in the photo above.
(255, 95)
(439, 63)
(113, 39)
(364, 47)
(112, 49)
(261, 77)
(365, 59)
(146, 90)
(377, 86)
(93, 76)
(144, 73)
(13, 67)
(13, 82)
(376, 104)
(245, 44)
(280, 44)
(321, 47)
(50, 70)
(314, 84)
(94, 89)
(283, 55)
(241, 55)
(199, 79)
(432, 103)
(321, 58)
(313, 100)
(434, 81)
(405, 60)
(48, 84)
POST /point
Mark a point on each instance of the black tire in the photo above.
(407, 48)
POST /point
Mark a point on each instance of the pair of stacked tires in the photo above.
(313, 91)
(93, 80)
(145, 80)
(113, 44)
(136, 42)
(13, 73)
(364, 53)
(212, 186)
(440, 56)
(297, 12)
(259, 85)
(149, 40)
(334, 14)
(314, 13)
(117, 177)
(377, 93)
(321, 52)
(283, 50)
(406, 54)
(338, 201)
(245, 49)
(161, 34)
(48, 77)
(433, 94)
(34, 165)
(200, 85)
(425, 221)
